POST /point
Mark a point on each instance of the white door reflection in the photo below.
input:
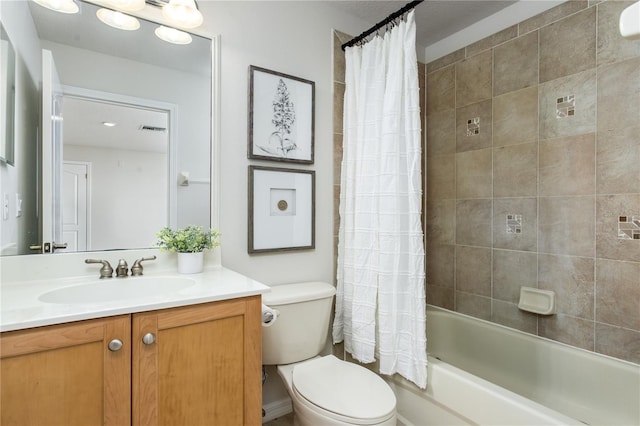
(126, 149)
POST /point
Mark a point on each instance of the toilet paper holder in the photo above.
(269, 316)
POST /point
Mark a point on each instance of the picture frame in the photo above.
(281, 209)
(281, 117)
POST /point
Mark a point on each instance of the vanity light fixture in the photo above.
(62, 6)
(126, 5)
(182, 13)
(171, 35)
(118, 20)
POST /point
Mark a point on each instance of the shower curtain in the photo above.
(380, 303)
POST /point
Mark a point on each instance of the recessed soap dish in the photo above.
(538, 301)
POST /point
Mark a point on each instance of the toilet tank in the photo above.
(301, 329)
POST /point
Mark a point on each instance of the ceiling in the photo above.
(435, 19)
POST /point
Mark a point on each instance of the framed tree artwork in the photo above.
(281, 209)
(281, 117)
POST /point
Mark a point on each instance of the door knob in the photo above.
(148, 339)
(115, 345)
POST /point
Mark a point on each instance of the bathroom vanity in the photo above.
(191, 356)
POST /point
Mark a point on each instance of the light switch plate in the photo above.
(5, 206)
(18, 205)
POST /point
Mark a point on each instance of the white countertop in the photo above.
(21, 308)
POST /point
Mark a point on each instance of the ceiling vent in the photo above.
(152, 128)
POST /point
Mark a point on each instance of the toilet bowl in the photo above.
(324, 390)
(328, 391)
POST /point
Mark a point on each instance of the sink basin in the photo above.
(117, 289)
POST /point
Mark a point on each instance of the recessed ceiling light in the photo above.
(62, 6)
(108, 123)
(172, 35)
(118, 20)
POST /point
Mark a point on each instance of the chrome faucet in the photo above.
(136, 269)
(106, 271)
(122, 270)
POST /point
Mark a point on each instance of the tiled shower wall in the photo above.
(533, 172)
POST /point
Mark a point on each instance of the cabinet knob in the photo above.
(148, 339)
(115, 345)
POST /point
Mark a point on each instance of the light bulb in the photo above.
(183, 13)
(62, 6)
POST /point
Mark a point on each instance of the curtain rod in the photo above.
(382, 23)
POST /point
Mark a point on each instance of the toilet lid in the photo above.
(344, 388)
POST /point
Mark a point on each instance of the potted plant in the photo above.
(190, 244)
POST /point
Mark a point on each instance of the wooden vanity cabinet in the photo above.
(192, 365)
(201, 365)
(66, 375)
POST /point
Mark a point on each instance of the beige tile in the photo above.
(473, 222)
(442, 62)
(618, 161)
(509, 315)
(515, 172)
(572, 331)
(338, 106)
(492, 41)
(440, 264)
(618, 342)
(473, 174)
(338, 58)
(441, 216)
(527, 238)
(612, 47)
(515, 117)
(441, 133)
(551, 15)
(608, 210)
(441, 90)
(512, 270)
(441, 177)
(473, 270)
(474, 305)
(473, 79)
(568, 46)
(618, 94)
(583, 87)
(466, 138)
(618, 293)
(286, 420)
(566, 165)
(441, 296)
(515, 64)
(566, 225)
(572, 279)
(337, 158)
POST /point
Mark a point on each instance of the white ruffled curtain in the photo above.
(380, 304)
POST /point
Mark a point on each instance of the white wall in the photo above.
(294, 38)
(17, 233)
(128, 195)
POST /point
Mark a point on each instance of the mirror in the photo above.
(119, 185)
(7, 96)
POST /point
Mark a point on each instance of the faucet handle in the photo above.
(106, 271)
(122, 270)
(136, 269)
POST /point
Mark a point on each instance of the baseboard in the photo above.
(276, 409)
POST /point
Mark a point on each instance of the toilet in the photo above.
(324, 389)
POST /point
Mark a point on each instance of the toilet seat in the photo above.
(343, 391)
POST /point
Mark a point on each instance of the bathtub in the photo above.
(483, 373)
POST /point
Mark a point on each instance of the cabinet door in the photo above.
(66, 374)
(198, 365)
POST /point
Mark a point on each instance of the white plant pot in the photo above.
(190, 263)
